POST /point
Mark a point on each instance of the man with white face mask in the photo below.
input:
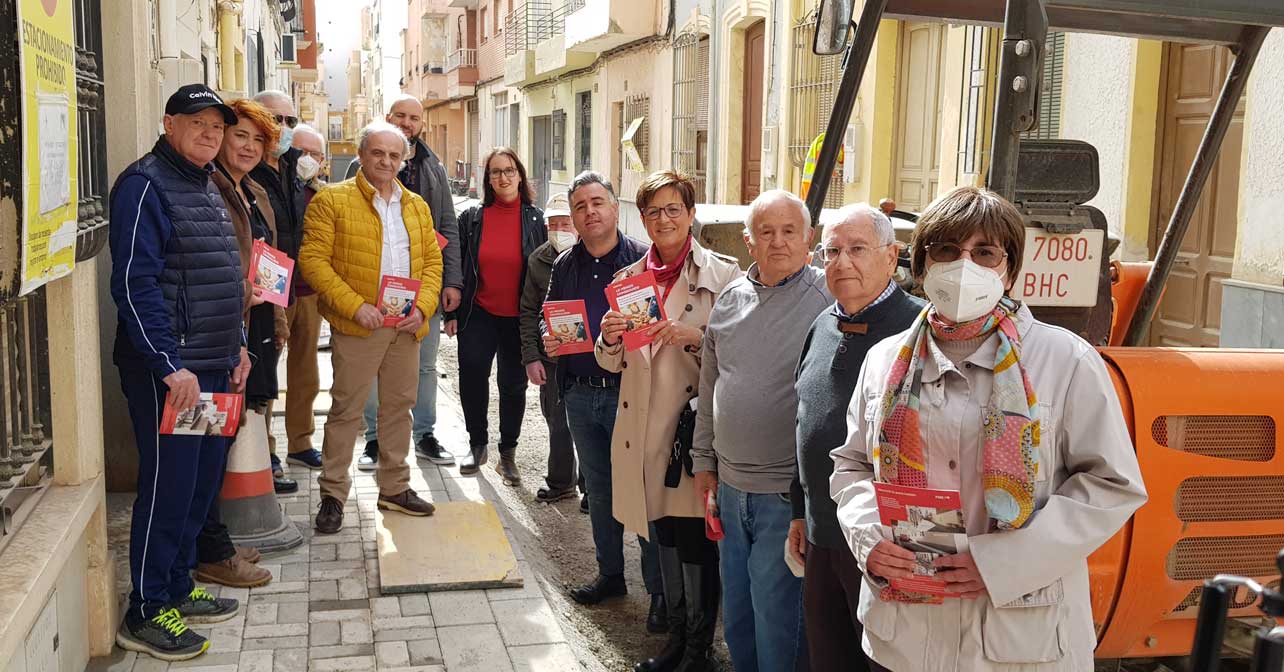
(309, 141)
(540, 369)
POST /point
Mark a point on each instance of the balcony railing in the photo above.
(461, 58)
(522, 26)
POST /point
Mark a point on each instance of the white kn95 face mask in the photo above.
(962, 290)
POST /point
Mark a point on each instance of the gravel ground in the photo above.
(558, 542)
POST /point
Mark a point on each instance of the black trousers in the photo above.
(831, 594)
(687, 535)
(486, 339)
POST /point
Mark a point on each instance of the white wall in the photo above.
(1260, 254)
(1096, 104)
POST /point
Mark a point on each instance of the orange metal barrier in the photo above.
(1206, 426)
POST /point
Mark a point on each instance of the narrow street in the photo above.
(323, 611)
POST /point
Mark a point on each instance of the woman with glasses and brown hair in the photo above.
(1021, 419)
(496, 238)
(653, 488)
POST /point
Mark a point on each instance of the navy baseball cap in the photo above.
(193, 98)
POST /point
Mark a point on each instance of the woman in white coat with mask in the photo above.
(1017, 416)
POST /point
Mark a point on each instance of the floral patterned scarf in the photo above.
(1010, 456)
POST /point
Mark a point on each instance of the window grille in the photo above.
(981, 63)
(584, 138)
(91, 124)
(640, 106)
(813, 82)
(1054, 59)
(691, 107)
(557, 157)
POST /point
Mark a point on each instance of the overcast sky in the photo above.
(339, 27)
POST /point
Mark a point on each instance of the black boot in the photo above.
(473, 461)
(703, 589)
(507, 466)
(674, 596)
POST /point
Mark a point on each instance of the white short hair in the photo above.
(273, 94)
(304, 128)
(768, 198)
(852, 213)
(381, 127)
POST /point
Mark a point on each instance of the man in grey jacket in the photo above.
(744, 445)
(424, 175)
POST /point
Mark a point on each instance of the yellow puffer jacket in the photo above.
(342, 242)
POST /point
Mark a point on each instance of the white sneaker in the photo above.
(369, 460)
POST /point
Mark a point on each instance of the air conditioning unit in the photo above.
(288, 54)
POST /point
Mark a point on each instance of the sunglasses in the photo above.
(290, 122)
(989, 256)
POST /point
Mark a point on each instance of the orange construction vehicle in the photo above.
(1205, 422)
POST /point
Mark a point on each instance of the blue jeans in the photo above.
(425, 410)
(762, 613)
(590, 412)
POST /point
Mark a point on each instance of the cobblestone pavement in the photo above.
(323, 611)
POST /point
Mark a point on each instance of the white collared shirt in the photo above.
(394, 259)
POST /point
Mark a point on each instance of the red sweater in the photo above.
(499, 259)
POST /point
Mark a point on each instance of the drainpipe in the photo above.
(228, 38)
(716, 39)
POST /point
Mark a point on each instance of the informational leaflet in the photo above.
(567, 321)
(50, 141)
(927, 522)
(270, 270)
(397, 297)
(441, 241)
(638, 299)
(215, 414)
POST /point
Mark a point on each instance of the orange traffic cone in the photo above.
(248, 502)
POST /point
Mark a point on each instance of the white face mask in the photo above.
(307, 168)
(562, 239)
(283, 145)
(961, 290)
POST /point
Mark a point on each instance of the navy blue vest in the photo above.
(202, 281)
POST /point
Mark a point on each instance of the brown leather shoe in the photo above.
(407, 502)
(249, 554)
(330, 517)
(507, 468)
(233, 572)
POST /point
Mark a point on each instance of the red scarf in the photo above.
(668, 274)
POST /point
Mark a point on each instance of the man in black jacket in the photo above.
(278, 175)
(592, 393)
(424, 175)
(859, 251)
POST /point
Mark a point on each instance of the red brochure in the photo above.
(568, 322)
(441, 241)
(638, 299)
(927, 522)
(215, 414)
(397, 298)
(270, 270)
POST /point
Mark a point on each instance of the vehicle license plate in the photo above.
(1060, 269)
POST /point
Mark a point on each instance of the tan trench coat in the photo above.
(656, 382)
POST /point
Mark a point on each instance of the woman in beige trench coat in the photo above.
(657, 382)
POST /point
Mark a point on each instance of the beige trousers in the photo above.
(393, 358)
(301, 376)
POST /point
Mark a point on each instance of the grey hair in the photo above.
(273, 94)
(591, 177)
(304, 128)
(768, 198)
(854, 212)
(381, 127)
(405, 97)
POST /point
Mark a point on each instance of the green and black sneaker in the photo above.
(201, 607)
(164, 636)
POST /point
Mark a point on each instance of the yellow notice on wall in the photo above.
(49, 141)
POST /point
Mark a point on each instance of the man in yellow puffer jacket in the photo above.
(356, 233)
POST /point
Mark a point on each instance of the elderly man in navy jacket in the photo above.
(177, 283)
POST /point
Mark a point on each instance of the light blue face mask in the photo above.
(287, 139)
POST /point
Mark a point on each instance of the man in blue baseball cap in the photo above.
(177, 282)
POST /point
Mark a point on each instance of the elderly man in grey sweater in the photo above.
(744, 446)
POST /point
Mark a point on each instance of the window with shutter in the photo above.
(557, 157)
(690, 107)
(813, 81)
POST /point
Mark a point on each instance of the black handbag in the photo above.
(680, 456)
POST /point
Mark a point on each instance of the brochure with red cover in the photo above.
(397, 297)
(215, 414)
(270, 269)
(927, 522)
(638, 299)
(568, 322)
(441, 241)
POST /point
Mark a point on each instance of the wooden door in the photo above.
(918, 104)
(1190, 313)
(751, 131)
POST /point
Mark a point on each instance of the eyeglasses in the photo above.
(989, 256)
(856, 253)
(510, 173)
(290, 122)
(672, 211)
